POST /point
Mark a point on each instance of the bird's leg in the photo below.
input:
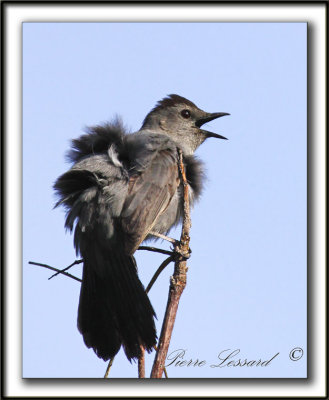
(164, 237)
(176, 244)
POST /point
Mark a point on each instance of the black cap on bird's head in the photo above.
(181, 119)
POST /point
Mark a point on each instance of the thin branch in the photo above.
(141, 359)
(108, 367)
(155, 250)
(141, 364)
(76, 262)
(177, 282)
(55, 269)
(158, 272)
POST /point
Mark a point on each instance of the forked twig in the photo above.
(59, 271)
(76, 262)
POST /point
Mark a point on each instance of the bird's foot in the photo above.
(177, 249)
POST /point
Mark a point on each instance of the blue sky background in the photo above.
(247, 276)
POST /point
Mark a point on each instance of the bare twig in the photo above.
(76, 262)
(141, 364)
(108, 367)
(177, 282)
(141, 360)
(155, 250)
(158, 272)
(55, 269)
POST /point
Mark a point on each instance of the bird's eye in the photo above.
(185, 114)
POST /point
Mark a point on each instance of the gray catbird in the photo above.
(121, 189)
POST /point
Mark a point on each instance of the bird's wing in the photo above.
(149, 194)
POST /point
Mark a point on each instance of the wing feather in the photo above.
(149, 195)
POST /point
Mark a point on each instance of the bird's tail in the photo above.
(114, 309)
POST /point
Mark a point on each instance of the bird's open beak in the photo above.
(207, 117)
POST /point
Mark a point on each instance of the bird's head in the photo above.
(181, 119)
